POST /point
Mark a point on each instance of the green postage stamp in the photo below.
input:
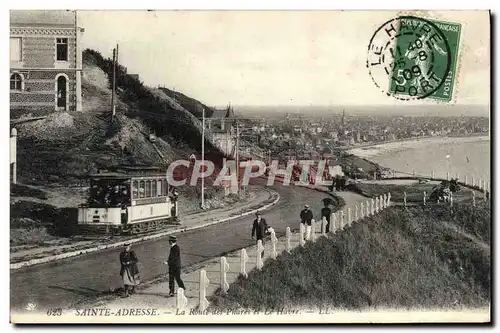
(414, 58)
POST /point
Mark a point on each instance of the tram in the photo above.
(127, 200)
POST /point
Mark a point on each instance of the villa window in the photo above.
(16, 82)
(16, 49)
(62, 49)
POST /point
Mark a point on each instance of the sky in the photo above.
(272, 58)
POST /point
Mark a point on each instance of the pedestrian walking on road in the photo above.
(174, 265)
(259, 229)
(306, 217)
(129, 271)
(326, 212)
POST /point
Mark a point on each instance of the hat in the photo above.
(172, 239)
(306, 206)
(258, 213)
(127, 245)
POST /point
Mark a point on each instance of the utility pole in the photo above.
(203, 159)
(238, 156)
(114, 85)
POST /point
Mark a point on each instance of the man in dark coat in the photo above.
(174, 265)
(129, 271)
(259, 229)
(326, 212)
(306, 217)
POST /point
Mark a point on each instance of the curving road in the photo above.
(68, 282)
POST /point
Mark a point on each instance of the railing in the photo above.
(338, 221)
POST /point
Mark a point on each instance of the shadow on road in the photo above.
(82, 291)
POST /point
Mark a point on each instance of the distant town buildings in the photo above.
(45, 60)
(223, 133)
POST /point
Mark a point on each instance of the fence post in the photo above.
(473, 198)
(259, 250)
(451, 199)
(465, 180)
(484, 186)
(349, 216)
(425, 196)
(323, 226)
(181, 300)
(447, 175)
(432, 174)
(458, 177)
(355, 213)
(333, 226)
(274, 240)
(342, 219)
(224, 268)
(377, 204)
(243, 258)
(13, 154)
(204, 281)
(362, 210)
(367, 208)
(479, 183)
(381, 202)
(301, 234)
(312, 230)
(388, 199)
(372, 206)
(288, 246)
(472, 181)
(404, 199)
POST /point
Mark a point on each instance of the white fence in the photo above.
(338, 221)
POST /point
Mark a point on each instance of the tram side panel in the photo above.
(145, 210)
(98, 219)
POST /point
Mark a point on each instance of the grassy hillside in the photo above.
(415, 258)
(155, 107)
(188, 103)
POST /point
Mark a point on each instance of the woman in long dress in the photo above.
(129, 271)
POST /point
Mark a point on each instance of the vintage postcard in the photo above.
(250, 166)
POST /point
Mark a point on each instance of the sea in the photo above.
(457, 156)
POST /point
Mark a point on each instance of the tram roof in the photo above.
(119, 175)
(128, 172)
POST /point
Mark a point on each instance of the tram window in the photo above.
(159, 193)
(134, 189)
(164, 187)
(153, 188)
(148, 188)
(141, 189)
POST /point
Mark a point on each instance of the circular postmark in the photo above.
(408, 58)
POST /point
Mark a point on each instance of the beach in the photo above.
(455, 155)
